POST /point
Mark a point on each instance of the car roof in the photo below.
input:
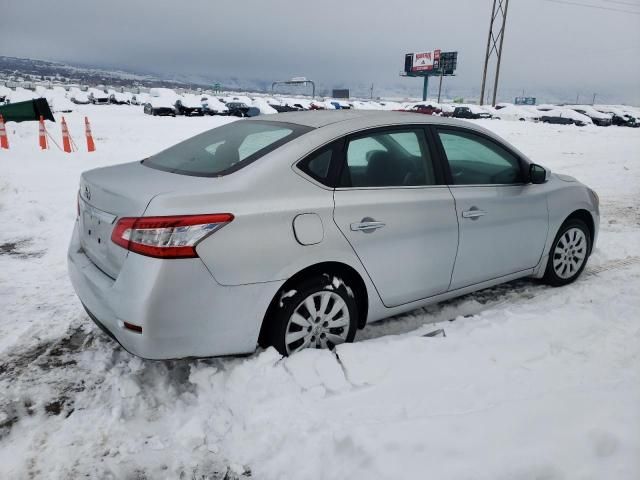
(364, 118)
(346, 121)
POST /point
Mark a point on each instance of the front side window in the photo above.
(225, 149)
(475, 160)
(394, 158)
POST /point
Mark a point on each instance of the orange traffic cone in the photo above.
(91, 147)
(4, 141)
(42, 134)
(66, 140)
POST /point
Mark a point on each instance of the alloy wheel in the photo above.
(320, 321)
(570, 253)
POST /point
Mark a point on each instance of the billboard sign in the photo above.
(340, 93)
(425, 61)
(525, 101)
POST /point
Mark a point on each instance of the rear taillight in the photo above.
(167, 237)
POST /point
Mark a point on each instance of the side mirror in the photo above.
(537, 174)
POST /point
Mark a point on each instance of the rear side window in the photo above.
(318, 165)
(394, 158)
(225, 149)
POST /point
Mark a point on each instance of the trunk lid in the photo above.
(107, 194)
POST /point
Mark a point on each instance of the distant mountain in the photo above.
(453, 87)
(29, 69)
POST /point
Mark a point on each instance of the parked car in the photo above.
(98, 97)
(139, 99)
(297, 230)
(120, 98)
(516, 113)
(213, 106)
(263, 106)
(284, 108)
(447, 110)
(470, 112)
(239, 109)
(189, 106)
(158, 106)
(426, 109)
(619, 117)
(80, 98)
(563, 116)
(598, 118)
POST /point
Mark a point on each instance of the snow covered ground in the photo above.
(530, 382)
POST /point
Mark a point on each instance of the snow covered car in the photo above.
(120, 98)
(516, 113)
(297, 230)
(283, 108)
(470, 112)
(213, 106)
(80, 98)
(98, 97)
(159, 106)
(598, 118)
(239, 109)
(189, 106)
(563, 116)
(619, 117)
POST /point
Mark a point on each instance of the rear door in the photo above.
(394, 209)
(503, 218)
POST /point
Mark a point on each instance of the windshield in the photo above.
(225, 149)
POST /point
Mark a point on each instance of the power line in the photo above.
(632, 4)
(567, 2)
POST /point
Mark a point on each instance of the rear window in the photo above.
(225, 149)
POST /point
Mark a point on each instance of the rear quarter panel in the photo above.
(259, 245)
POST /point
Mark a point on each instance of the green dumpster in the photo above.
(31, 110)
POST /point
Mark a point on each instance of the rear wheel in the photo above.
(320, 312)
(569, 253)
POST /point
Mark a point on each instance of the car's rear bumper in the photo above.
(182, 310)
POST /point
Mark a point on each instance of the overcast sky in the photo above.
(549, 46)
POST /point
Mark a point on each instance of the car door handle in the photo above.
(366, 226)
(473, 213)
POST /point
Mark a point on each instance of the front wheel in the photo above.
(320, 312)
(569, 253)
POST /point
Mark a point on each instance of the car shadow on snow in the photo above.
(449, 310)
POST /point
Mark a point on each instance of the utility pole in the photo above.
(371, 92)
(440, 86)
(495, 40)
(425, 87)
(593, 102)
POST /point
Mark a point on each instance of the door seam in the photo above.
(455, 259)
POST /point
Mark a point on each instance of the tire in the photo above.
(294, 327)
(569, 253)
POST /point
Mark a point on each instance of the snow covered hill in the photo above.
(529, 382)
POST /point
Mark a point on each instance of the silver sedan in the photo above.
(298, 230)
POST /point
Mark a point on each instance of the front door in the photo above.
(503, 220)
